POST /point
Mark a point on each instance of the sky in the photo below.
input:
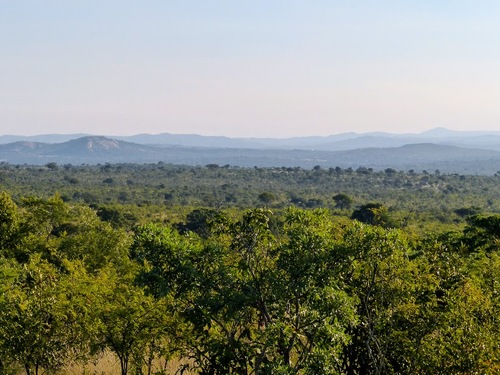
(254, 68)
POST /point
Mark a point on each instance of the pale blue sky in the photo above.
(248, 68)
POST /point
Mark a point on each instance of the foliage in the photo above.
(374, 214)
(38, 319)
(342, 201)
(246, 306)
(131, 324)
(202, 222)
(419, 198)
(9, 225)
(177, 261)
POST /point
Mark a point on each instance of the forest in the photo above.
(214, 269)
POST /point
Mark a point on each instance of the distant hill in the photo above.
(338, 142)
(44, 138)
(447, 133)
(98, 149)
(85, 150)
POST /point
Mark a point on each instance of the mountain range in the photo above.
(443, 149)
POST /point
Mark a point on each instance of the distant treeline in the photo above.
(165, 190)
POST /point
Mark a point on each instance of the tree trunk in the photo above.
(124, 365)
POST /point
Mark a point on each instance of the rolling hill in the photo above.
(98, 149)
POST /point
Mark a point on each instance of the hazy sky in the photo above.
(248, 68)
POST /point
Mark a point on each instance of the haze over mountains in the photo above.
(446, 150)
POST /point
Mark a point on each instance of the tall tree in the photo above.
(9, 225)
(253, 304)
(131, 324)
(40, 323)
(386, 282)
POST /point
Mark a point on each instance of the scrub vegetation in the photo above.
(224, 270)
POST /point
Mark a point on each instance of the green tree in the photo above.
(312, 308)
(58, 231)
(374, 214)
(342, 201)
(9, 225)
(52, 166)
(202, 221)
(132, 325)
(387, 283)
(250, 303)
(267, 197)
(9, 271)
(458, 325)
(39, 324)
(482, 233)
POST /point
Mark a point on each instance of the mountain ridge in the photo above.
(100, 150)
(335, 142)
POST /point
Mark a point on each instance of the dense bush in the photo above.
(286, 289)
(314, 295)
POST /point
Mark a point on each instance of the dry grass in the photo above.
(108, 364)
